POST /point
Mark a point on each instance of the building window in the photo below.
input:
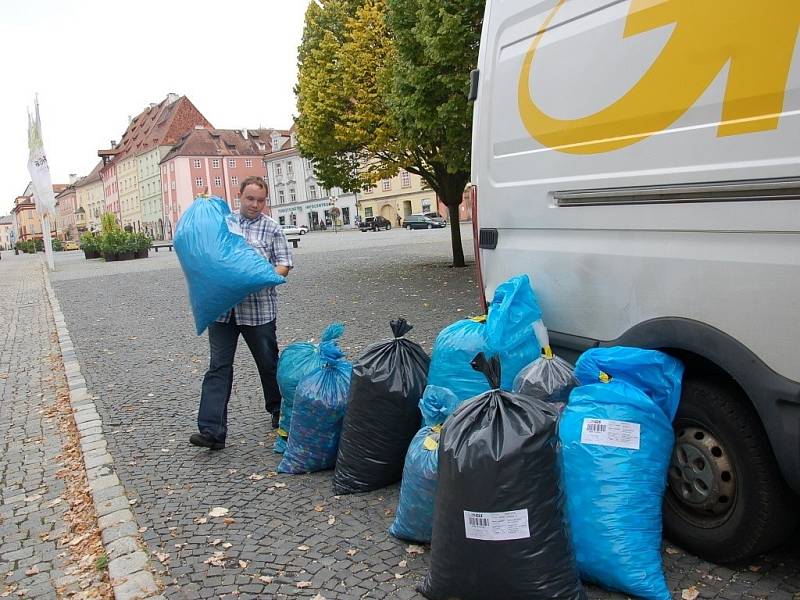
(171, 167)
(278, 169)
(198, 182)
(368, 189)
(281, 220)
(312, 191)
(368, 211)
(289, 168)
(215, 163)
(234, 180)
(405, 179)
(281, 197)
(231, 163)
(346, 215)
(248, 162)
(264, 162)
(217, 181)
(386, 185)
(236, 203)
(292, 195)
(196, 163)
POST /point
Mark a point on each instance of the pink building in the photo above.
(213, 161)
(66, 205)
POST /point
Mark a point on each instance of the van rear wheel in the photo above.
(726, 499)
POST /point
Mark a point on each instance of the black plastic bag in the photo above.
(499, 528)
(382, 413)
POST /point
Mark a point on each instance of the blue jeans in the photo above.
(212, 418)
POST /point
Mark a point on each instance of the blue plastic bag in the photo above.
(617, 441)
(296, 361)
(220, 267)
(414, 517)
(506, 331)
(320, 402)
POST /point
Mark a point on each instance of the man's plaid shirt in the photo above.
(267, 238)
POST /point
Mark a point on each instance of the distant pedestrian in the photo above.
(254, 318)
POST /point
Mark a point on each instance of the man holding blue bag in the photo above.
(254, 318)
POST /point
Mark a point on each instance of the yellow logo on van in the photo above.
(755, 38)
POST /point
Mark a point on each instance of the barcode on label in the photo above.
(599, 427)
(478, 522)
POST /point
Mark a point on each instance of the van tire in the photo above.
(760, 517)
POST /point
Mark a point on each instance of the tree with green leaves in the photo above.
(382, 86)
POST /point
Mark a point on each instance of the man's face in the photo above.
(252, 201)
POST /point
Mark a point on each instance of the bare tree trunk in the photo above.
(455, 236)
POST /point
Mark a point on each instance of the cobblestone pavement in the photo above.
(32, 504)
(133, 334)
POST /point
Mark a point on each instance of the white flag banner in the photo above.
(37, 167)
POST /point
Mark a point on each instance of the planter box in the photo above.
(126, 256)
(89, 254)
(143, 253)
(111, 256)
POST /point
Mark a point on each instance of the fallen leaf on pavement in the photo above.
(215, 542)
(227, 545)
(415, 549)
(318, 597)
(280, 485)
(163, 557)
(216, 560)
(755, 568)
(218, 511)
(266, 579)
(201, 520)
(352, 552)
(228, 521)
(243, 564)
(398, 575)
(303, 548)
(331, 520)
(256, 477)
(690, 593)
(34, 570)
(319, 508)
(402, 563)
(303, 584)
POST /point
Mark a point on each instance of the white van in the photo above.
(640, 160)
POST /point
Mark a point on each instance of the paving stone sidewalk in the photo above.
(31, 503)
(283, 536)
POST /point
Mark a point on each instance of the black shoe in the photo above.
(205, 441)
(276, 418)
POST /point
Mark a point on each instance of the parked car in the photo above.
(375, 223)
(423, 222)
(294, 229)
(71, 245)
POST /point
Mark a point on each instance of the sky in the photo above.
(95, 63)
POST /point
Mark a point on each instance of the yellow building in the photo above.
(128, 182)
(90, 201)
(402, 195)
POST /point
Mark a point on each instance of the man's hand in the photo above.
(282, 270)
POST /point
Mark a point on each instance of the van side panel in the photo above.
(670, 109)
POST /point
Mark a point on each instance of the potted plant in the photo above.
(127, 245)
(90, 245)
(58, 245)
(143, 243)
(110, 245)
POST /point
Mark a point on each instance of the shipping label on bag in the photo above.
(607, 432)
(497, 526)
